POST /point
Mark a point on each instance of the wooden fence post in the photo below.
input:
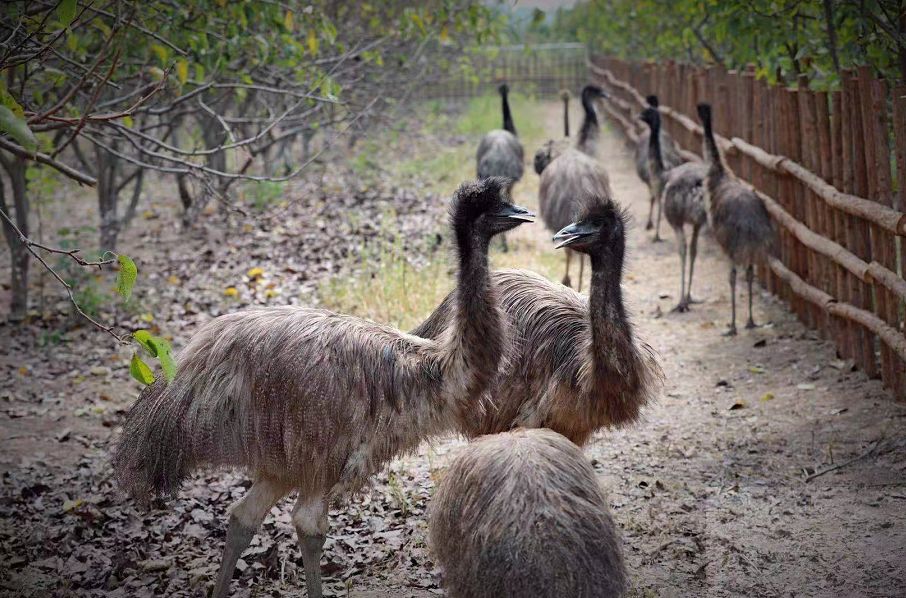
(899, 129)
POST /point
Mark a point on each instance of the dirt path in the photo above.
(708, 489)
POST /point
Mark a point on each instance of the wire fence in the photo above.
(831, 169)
(541, 70)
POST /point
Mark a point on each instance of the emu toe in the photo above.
(657, 238)
(751, 324)
(681, 307)
(731, 331)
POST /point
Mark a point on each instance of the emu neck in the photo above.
(589, 131)
(606, 309)
(507, 115)
(655, 159)
(477, 338)
(566, 117)
(716, 168)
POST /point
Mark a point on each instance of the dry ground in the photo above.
(709, 489)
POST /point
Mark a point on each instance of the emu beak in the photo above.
(514, 212)
(604, 94)
(573, 232)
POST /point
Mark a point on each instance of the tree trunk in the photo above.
(19, 258)
(107, 167)
(831, 33)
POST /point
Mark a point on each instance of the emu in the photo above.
(554, 147)
(681, 193)
(500, 152)
(522, 514)
(571, 364)
(671, 158)
(737, 216)
(317, 402)
(569, 176)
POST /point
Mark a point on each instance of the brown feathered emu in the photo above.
(316, 402)
(500, 152)
(573, 174)
(737, 216)
(572, 364)
(554, 147)
(681, 192)
(671, 158)
(522, 514)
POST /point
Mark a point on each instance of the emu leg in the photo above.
(732, 329)
(310, 521)
(581, 270)
(650, 224)
(682, 306)
(657, 227)
(750, 276)
(566, 277)
(245, 518)
(693, 250)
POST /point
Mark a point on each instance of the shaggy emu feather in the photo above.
(314, 401)
(681, 193)
(737, 216)
(572, 363)
(671, 158)
(523, 514)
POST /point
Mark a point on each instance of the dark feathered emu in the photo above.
(554, 147)
(737, 216)
(500, 151)
(671, 158)
(572, 175)
(313, 401)
(681, 192)
(522, 514)
(590, 130)
(572, 364)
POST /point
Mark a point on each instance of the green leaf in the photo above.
(162, 53)
(165, 356)
(182, 70)
(17, 128)
(144, 339)
(125, 278)
(66, 11)
(312, 41)
(139, 370)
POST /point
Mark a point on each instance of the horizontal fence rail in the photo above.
(823, 164)
(536, 69)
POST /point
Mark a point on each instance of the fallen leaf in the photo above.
(230, 292)
(255, 273)
(173, 279)
(756, 369)
(806, 386)
(768, 396)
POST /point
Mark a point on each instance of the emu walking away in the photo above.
(314, 401)
(500, 152)
(523, 514)
(571, 364)
(681, 193)
(671, 158)
(737, 215)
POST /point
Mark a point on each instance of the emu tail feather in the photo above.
(154, 453)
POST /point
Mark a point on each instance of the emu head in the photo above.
(600, 230)
(483, 207)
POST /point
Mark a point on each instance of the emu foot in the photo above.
(681, 307)
(657, 238)
(731, 331)
(566, 282)
(649, 225)
(751, 324)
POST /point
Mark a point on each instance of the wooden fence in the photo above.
(539, 69)
(831, 169)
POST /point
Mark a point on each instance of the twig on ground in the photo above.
(859, 457)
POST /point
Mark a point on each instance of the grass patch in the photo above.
(388, 288)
